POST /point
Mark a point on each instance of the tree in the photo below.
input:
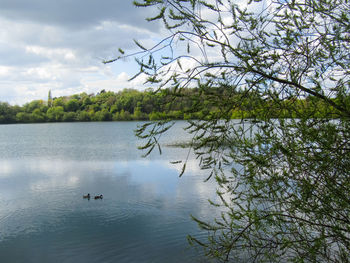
(69, 116)
(58, 102)
(284, 184)
(102, 115)
(31, 106)
(83, 116)
(72, 105)
(7, 114)
(38, 116)
(55, 113)
(49, 99)
(23, 117)
(86, 102)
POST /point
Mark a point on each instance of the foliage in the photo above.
(135, 105)
(283, 183)
(6, 113)
(127, 104)
(49, 99)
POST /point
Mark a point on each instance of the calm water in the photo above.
(144, 215)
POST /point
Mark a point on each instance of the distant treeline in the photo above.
(131, 104)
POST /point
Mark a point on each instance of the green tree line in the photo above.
(131, 104)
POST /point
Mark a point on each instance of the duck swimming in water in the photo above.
(98, 196)
(87, 196)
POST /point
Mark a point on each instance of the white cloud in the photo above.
(115, 83)
(53, 53)
(4, 71)
(60, 46)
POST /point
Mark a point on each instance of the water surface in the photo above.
(144, 215)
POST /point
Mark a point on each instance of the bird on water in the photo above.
(87, 196)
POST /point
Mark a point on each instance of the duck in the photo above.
(87, 196)
(98, 196)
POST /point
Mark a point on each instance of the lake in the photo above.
(45, 169)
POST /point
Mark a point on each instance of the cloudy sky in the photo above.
(60, 45)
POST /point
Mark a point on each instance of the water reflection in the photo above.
(81, 141)
(144, 216)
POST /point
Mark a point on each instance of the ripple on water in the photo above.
(144, 216)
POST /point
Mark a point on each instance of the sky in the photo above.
(60, 45)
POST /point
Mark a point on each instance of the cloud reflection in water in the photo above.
(144, 214)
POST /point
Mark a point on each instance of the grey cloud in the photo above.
(90, 27)
(76, 13)
(60, 45)
(94, 43)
